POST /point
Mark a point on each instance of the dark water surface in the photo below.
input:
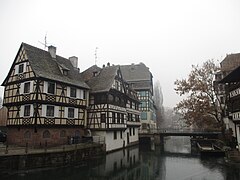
(176, 163)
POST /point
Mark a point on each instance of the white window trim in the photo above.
(53, 111)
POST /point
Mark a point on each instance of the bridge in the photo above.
(178, 132)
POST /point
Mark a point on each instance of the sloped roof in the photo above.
(138, 75)
(230, 62)
(45, 66)
(233, 76)
(88, 73)
(103, 80)
(136, 72)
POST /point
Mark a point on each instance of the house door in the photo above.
(127, 138)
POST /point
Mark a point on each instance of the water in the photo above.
(135, 163)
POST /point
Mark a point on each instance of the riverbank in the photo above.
(16, 159)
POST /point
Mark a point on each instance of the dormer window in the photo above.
(65, 72)
(20, 68)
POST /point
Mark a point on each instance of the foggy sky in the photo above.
(167, 35)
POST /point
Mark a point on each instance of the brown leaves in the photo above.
(198, 107)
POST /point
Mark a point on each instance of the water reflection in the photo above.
(176, 162)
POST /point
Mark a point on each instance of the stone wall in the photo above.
(43, 137)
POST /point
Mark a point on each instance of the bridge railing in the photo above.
(172, 130)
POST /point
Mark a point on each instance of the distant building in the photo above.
(113, 111)
(140, 79)
(46, 98)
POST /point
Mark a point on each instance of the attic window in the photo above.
(65, 72)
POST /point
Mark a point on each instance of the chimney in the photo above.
(74, 61)
(52, 50)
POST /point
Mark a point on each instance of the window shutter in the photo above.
(21, 88)
(68, 91)
(16, 70)
(21, 111)
(65, 112)
(76, 113)
(44, 110)
(56, 111)
(31, 110)
(45, 87)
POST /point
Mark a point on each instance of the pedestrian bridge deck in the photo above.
(177, 132)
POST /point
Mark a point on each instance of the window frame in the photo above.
(24, 88)
(27, 112)
(71, 113)
(22, 68)
(75, 92)
(49, 112)
(48, 87)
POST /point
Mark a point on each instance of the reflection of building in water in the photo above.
(153, 165)
(120, 165)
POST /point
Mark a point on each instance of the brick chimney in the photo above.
(52, 50)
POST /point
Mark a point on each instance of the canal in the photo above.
(142, 163)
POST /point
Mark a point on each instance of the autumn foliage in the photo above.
(200, 105)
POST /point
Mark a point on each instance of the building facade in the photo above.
(232, 90)
(228, 64)
(113, 111)
(46, 98)
(140, 79)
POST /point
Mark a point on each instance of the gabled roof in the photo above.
(136, 72)
(233, 76)
(43, 65)
(103, 79)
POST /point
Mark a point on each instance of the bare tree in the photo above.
(158, 100)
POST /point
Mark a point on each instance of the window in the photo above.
(20, 68)
(103, 118)
(115, 135)
(46, 134)
(113, 118)
(73, 92)
(121, 134)
(122, 118)
(130, 131)
(51, 88)
(26, 87)
(143, 116)
(118, 118)
(70, 112)
(65, 72)
(50, 111)
(27, 110)
(134, 131)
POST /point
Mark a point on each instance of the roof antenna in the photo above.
(96, 55)
(45, 44)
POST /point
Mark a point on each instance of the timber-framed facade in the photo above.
(113, 107)
(46, 98)
(140, 78)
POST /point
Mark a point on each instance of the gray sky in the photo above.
(167, 35)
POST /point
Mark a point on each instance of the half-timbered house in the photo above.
(113, 111)
(140, 79)
(46, 98)
(232, 90)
